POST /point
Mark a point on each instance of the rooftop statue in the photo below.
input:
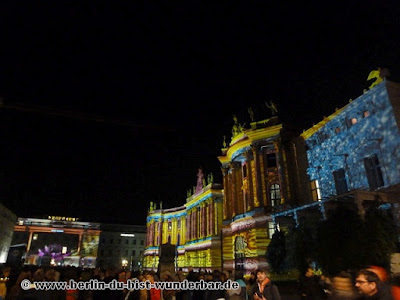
(200, 177)
(237, 127)
(379, 74)
(272, 107)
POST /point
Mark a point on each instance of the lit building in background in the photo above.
(7, 222)
(121, 246)
(193, 228)
(58, 241)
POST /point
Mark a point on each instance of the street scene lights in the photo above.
(124, 263)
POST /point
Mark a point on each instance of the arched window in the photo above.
(275, 194)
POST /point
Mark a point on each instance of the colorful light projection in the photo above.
(90, 245)
(342, 142)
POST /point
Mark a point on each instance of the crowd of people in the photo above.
(368, 284)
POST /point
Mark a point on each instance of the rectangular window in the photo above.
(271, 160)
(374, 172)
(275, 195)
(315, 190)
(271, 229)
(340, 181)
(133, 252)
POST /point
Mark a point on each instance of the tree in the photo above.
(348, 241)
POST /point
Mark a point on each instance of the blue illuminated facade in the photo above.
(358, 146)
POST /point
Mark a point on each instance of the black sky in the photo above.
(144, 92)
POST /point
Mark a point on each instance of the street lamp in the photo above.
(124, 263)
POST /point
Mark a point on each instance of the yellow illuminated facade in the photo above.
(194, 229)
(257, 182)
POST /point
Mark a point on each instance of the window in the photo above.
(340, 181)
(366, 114)
(169, 225)
(244, 170)
(271, 160)
(353, 121)
(275, 194)
(133, 252)
(134, 242)
(126, 242)
(141, 242)
(111, 241)
(271, 229)
(374, 172)
(315, 190)
(126, 252)
(337, 129)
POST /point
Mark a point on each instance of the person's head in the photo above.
(262, 274)
(367, 282)
(150, 276)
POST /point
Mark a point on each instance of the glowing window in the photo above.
(366, 114)
(337, 129)
(315, 190)
(353, 121)
(271, 229)
(275, 194)
(169, 225)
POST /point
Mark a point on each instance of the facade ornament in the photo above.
(251, 114)
(200, 177)
(272, 107)
(378, 75)
(237, 127)
(210, 178)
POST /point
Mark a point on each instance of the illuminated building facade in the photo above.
(353, 155)
(355, 152)
(357, 147)
(7, 222)
(258, 174)
(121, 246)
(56, 241)
(194, 228)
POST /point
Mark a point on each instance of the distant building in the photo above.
(194, 229)
(7, 222)
(58, 241)
(121, 246)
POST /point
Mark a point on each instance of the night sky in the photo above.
(110, 106)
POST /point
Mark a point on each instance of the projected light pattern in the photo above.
(360, 142)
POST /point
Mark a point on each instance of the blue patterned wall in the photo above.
(343, 144)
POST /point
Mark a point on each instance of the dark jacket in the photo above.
(270, 291)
